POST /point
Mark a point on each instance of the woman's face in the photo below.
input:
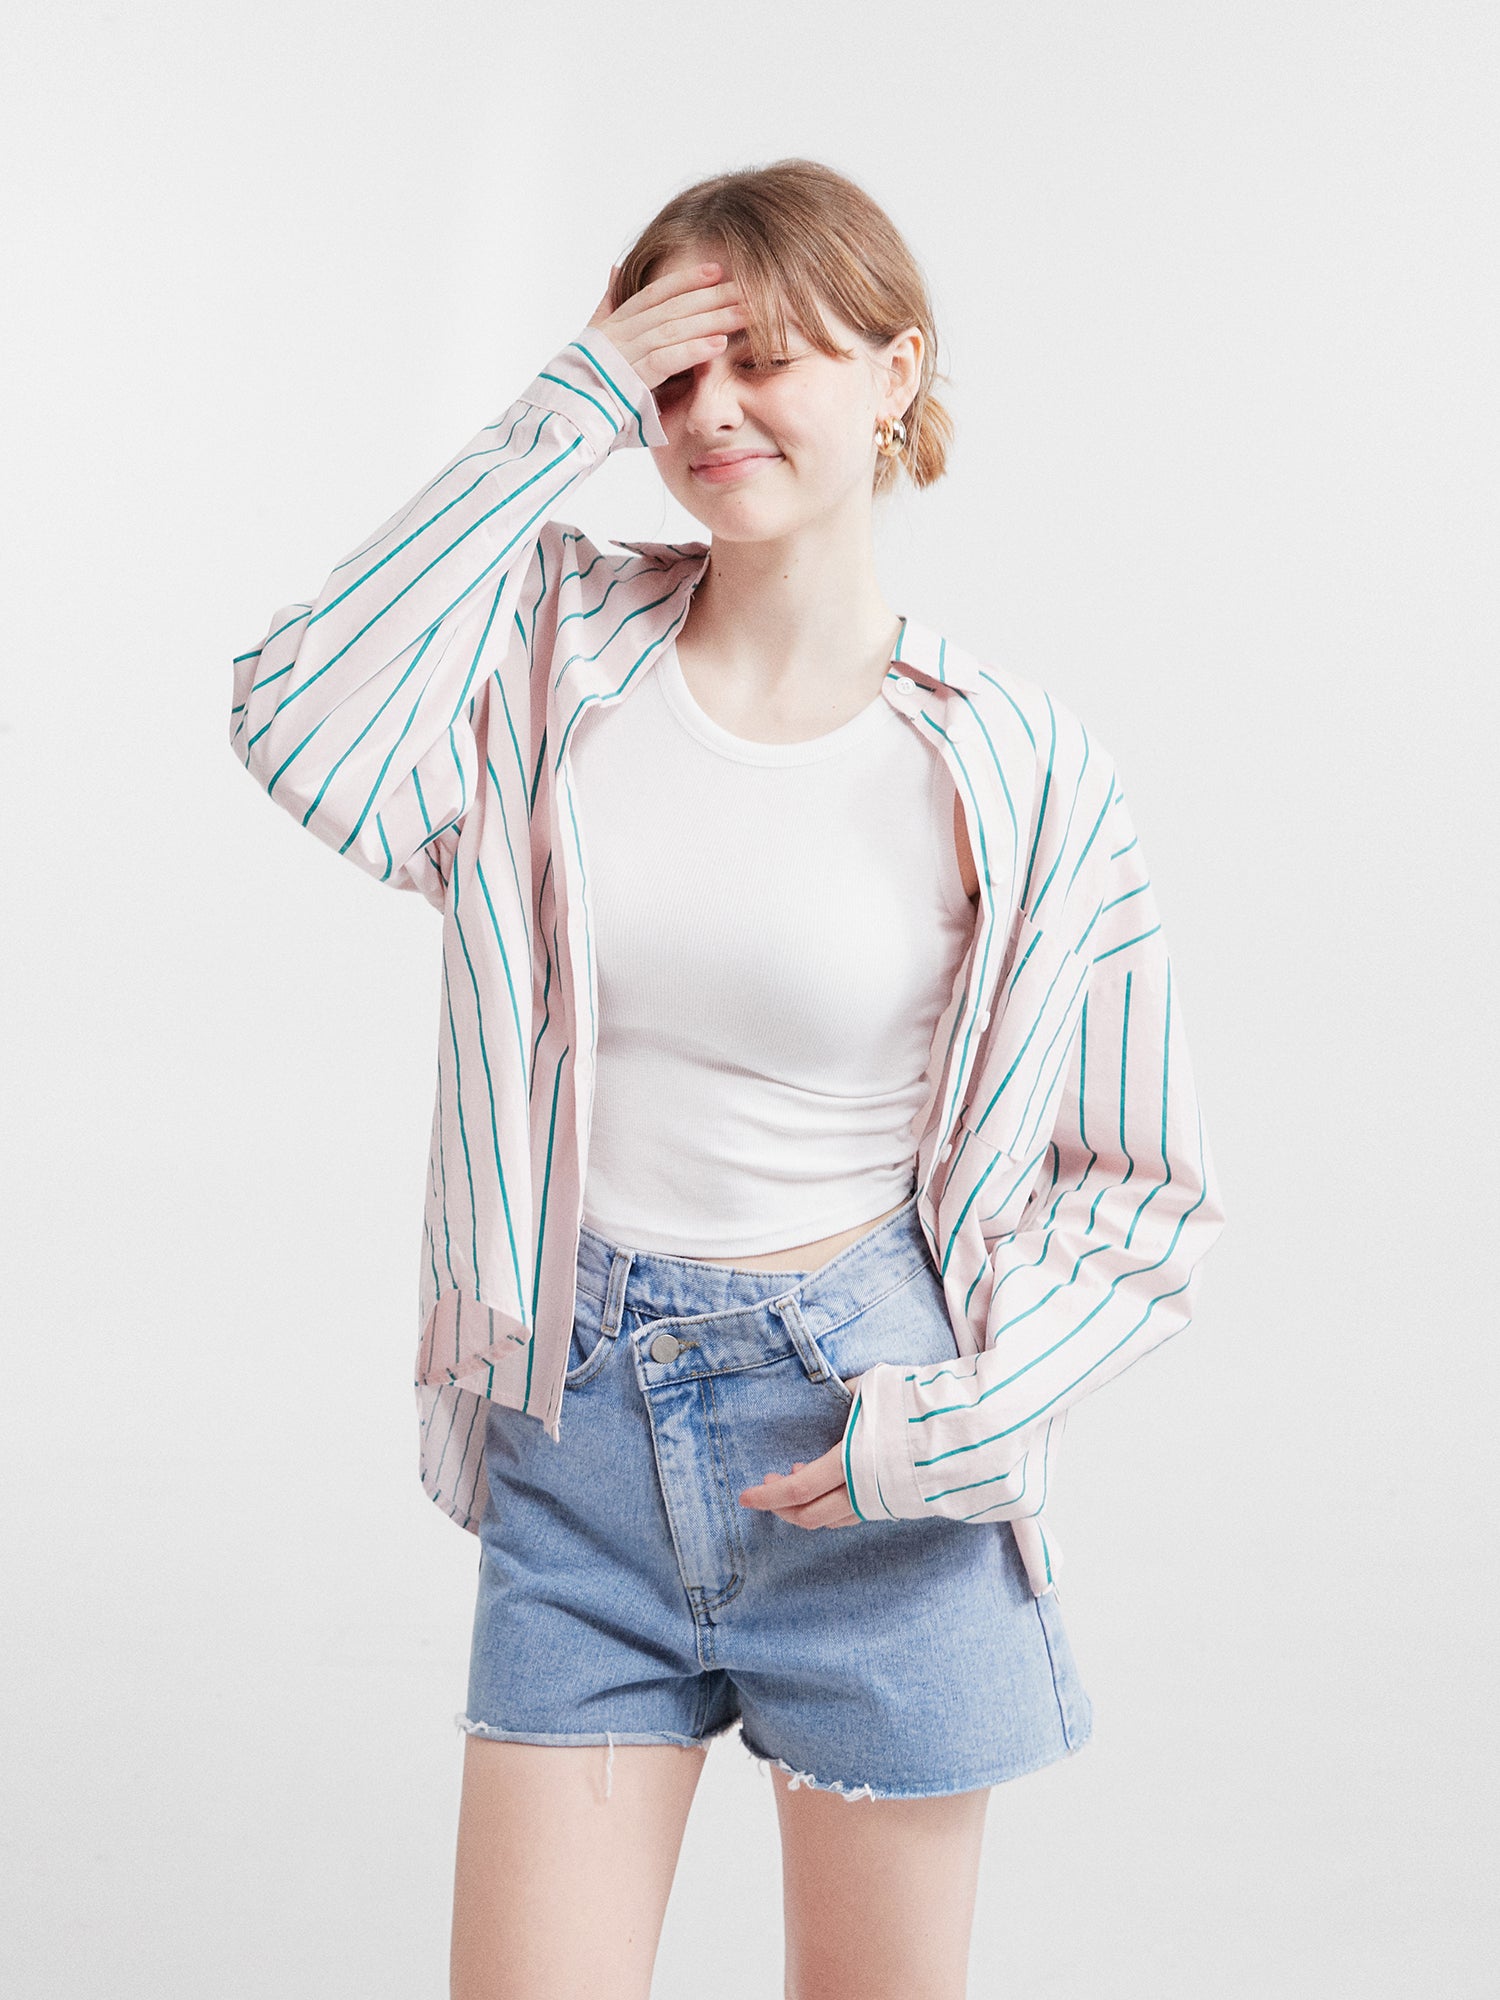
(808, 419)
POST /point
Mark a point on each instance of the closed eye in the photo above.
(675, 382)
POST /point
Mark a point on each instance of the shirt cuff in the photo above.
(877, 1451)
(592, 384)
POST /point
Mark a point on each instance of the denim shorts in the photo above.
(625, 1595)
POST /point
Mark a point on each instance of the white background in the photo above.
(1217, 290)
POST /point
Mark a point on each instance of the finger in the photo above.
(680, 355)
(606, 306)
(804, 1485)
(691, 277)
(702, 333)
(831, 1510)
(771, 1492)
(681, 344)
(697, 313)
(696, 303)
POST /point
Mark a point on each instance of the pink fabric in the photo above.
(417, 716)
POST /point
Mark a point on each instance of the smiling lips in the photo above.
(722, 466)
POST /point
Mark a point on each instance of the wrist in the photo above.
(627, 392)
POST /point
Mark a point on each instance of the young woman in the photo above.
(814, 1125)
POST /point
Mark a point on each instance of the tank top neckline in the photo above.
(745, 750)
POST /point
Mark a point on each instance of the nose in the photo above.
(713, 401)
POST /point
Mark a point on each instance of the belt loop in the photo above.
(813, 1360)
(614, 1295)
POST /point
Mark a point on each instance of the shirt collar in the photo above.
(919, 650)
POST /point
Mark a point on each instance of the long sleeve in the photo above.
(355, 711)
(1096, 1220)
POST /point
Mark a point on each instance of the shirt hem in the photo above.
(675, 1246)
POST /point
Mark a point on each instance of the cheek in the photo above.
(813, 435)
(832, 450)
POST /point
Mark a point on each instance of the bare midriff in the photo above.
(804, 1256)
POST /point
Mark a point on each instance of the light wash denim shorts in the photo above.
(625, 1595)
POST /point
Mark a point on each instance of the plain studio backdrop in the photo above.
(1216, 290)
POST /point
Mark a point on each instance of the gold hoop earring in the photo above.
(890, 437)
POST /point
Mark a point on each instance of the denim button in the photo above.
(665, 1347)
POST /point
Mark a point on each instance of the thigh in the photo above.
(879, 1893)
(561, 1882)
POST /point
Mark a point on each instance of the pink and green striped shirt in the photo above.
(418, 715)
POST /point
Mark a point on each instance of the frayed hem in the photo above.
(849, 1792)
(598, 1739)
(796, 1778)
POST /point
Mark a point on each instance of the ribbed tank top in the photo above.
(777, 928)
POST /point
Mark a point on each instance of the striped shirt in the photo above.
(418, 716)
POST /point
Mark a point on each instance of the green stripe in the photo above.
(484, 1057)
(1128, 943)
(572, 387)
(458, 1096)
(604, 375)
(1036, 838)
(854, 1416)
(1062, 845)
(541, 1232)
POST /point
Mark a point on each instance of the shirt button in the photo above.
(905, 683)
(665, 1347)
(984, 1019)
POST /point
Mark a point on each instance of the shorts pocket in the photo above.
(590, 1346)
(909, 1324)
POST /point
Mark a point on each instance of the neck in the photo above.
(804, 609)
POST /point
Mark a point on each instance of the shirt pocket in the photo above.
(1016, 1093)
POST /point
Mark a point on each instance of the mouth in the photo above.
(723, 467)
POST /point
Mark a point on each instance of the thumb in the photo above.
(606, 303)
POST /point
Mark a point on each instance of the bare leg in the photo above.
(559, 1887)
(879, 1893)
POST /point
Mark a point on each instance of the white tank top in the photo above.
(777, 928)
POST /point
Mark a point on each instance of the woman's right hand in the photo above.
(673, 323)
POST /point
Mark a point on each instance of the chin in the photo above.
(747, 531)
(742, 517)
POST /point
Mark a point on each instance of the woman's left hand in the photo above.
(813, 1494)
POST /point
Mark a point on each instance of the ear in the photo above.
(903, 367)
